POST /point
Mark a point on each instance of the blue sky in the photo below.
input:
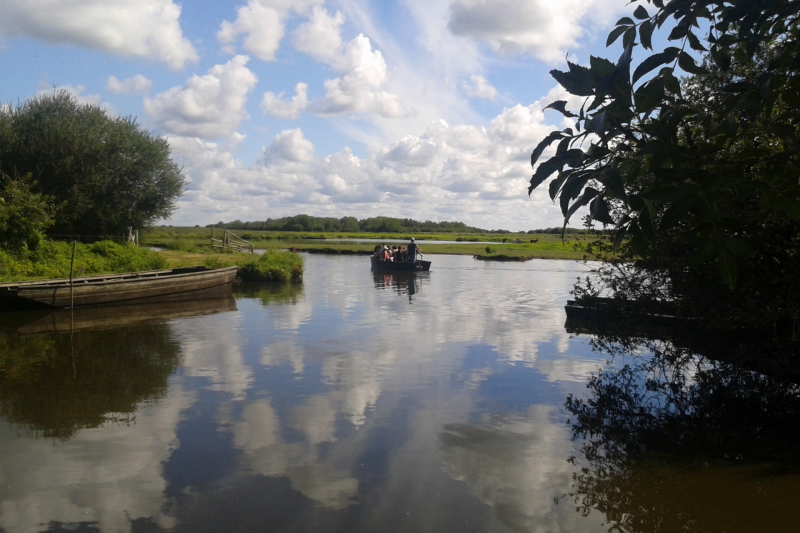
(419, 108)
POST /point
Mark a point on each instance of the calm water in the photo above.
(359, 402)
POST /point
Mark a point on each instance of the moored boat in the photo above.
(392, 266)
(112, 288)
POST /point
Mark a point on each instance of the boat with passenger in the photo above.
(399, 259)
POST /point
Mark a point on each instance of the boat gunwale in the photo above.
(111, 279)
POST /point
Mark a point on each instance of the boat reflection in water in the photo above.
(408, 283)
(63, 371)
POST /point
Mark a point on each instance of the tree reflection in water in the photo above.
(677, 442)
(54, 385)
(269, 293)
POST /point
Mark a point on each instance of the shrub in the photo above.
(274, 266)
(24, 215)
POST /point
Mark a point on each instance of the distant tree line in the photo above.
(353, 225)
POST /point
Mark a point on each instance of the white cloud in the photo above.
(279, 108)
(542, 28)
(479, 88)
(209, 106)
(262, 22)
(289, 145)
(472, 173)
(147, 29)
(137, 85)
(320, 37)
(358, 90)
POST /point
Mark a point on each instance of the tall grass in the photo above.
(52, 260)
(274, 266)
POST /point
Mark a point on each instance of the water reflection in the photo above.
(55, 385)
(330, 406)
(401, 282)
(672, 441)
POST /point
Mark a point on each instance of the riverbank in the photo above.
(54, 259)
(489, 247)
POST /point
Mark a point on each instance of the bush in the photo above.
(274, 266)
(24, 215)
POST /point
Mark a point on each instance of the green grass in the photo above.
(548, 246)
(52, 260)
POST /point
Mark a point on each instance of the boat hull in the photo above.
(391, 266)
(112, 289)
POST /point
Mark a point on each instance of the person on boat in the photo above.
(387, 256)
(378, 251)
(412, 251)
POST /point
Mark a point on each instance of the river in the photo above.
(356, 402)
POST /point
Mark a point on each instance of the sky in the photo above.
(425, 109)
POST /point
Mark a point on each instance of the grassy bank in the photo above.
(52, 260)
(548, 246)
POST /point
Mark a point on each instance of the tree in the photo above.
(105, 173)
(699, 177)
(654, 161)
(24, 215)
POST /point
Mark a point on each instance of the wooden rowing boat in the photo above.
(391, 266)
(112, 288)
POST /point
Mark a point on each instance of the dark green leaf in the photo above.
(790, 206)
(587, 195)
(649, 96)
(654, 61)
(572, 83)
(629, 37)
(738, 246)
(556, 184)
(560, 106)
(547, 141)
(686, 62)
(728, 268)
(646, 34)
(619, 236)
(625, 21)
(614, 35)
(694, 42)
(678, 32)
(641, 13)
(598, 210)
(613, 182)
(597, 123)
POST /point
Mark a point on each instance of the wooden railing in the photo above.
(230, 241)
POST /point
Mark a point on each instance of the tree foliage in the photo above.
(24, 215)
(709, 165)
(105, 173)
